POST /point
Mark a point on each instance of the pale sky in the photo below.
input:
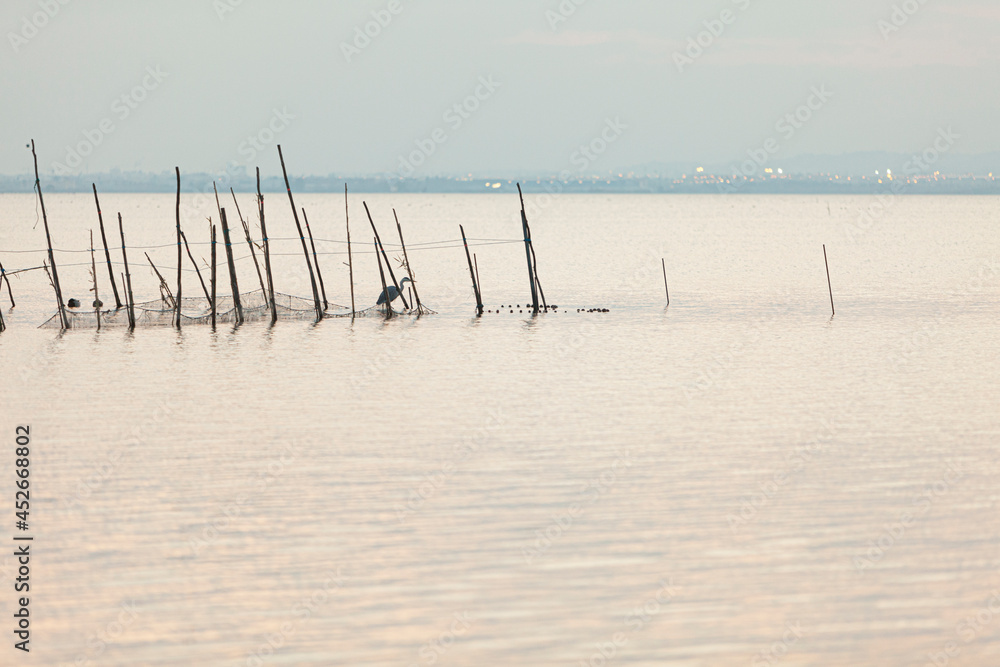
(188, 82)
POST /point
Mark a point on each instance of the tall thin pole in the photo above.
(128, 278)
(48, 240)
(253, 253)
(350, 260)
(267, 252)
(214, 279)
(665, 285)
(828, 283)
(93, 274)
(472, 273)
(107, 253)
(527, 252)
(380, 247)
(385, 288)
(319, 274)
(406, 259)
(180, 255)
(233, 282)
(479, 283)
(196, 269)
(305, 251)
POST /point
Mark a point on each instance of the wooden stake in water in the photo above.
(107, 253)
(350, 261)
(180, 256)
(472, 273)
(196, 269)
(319, 274)
(385, 288)
(665, 285)
(63, 319)
(128, 279)
(267, 253)
(5, 278)
(406, 259)
(93, 275)
(253, 253)
(305, 250)
(828, 283)
(527, 252)
(379, 247)
(211, 299)
(233, 282)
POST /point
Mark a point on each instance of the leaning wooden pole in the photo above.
(381, 248)
(828, 283)
(409, 271)
(233, 282)
(180, 255)
(196, 269)
(165, 292)
(319, 274)
(665, 285)
(212, 299)
(527, 252)
(267, 252)
(5, 278)
(472, 273)
(107, 253)
(385, 288)
(298, 225)
(130, 301)
(253, 253)
(63, 319)
(350, 260)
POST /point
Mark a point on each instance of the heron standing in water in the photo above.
(393, 292)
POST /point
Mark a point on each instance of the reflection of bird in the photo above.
(393, 292)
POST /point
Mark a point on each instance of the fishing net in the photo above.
(197, 310)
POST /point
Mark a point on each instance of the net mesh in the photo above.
(197, 310)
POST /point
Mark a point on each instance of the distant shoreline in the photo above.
(143, 183)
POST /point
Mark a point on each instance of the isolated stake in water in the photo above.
(828, 283)
(298, 225)
(180, 256)
(350, 260)
(234, 283)
(665, 285)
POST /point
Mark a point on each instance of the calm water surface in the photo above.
(736, 480)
